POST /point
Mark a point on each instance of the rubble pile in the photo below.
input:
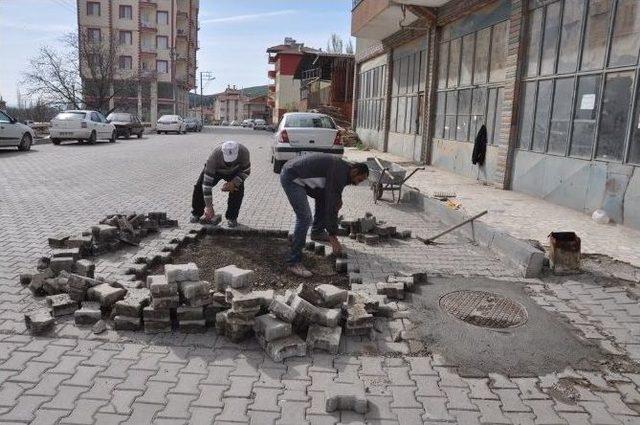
(370, 231)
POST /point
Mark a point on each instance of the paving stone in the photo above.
(203, 416)
(24, 410)
(125, 323)
(331, 295)
(232, 276)
(193, 326)
(458, 399)
(39, 321)
(143, 413)
(292, 413)
(435, 409)
(88, 314)
(324, 338)
(234, 410)
(510, 399)
(427, 386)
(242, 301)
(346, 397)
(265, 399)
(61, 305)
(106, 294)
(85, 268)
(282, 310)
(181, 272)
(393, 290)
(133, 303)
(282, 348)
(48, 417)
(59, 264)
(270, 328)
(490, 412)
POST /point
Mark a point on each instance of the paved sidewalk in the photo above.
(521, 215)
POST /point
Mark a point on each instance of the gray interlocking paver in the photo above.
(187, 384)
(47, 384)
(266, 399)
(544, 413)
(84, 412)
(48, 417)
(83, 376)
(155, 393)
(260, 418)
(292, 412)
(177, 406)
(142, 413)
(120, 402)
(234, 409)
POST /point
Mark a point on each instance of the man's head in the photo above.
(358, 173)
(230, 151)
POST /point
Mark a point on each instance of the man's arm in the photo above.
(245, 168)
(209, 175)
(332, 196)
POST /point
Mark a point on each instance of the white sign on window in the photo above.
(588, 101)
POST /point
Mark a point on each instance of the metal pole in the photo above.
(201, 101)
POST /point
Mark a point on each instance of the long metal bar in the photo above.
(451, 229)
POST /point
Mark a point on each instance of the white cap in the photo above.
(230, 150)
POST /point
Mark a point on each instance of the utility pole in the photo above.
(209, 77)
(173, 78)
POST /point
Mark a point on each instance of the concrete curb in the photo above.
(517, 252)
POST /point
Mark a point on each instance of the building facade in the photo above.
(554, 82)
(305, 78)
(156, 41)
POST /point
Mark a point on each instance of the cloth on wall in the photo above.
(480, 147)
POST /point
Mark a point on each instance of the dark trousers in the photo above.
(233, 203)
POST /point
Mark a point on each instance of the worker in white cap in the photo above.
(231, 162)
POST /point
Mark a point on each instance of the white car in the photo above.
(13, 133)
(301, 133)
(171, 123)
(259, 124)
(82, 126)
(247, 123)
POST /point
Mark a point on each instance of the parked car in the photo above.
(235, 123)
(224, 123)
(126, 124)
(193, 124)
(301, 133)
(259, 124)
(171, 123)
(13, 133)
(81, 125)
(247, 123)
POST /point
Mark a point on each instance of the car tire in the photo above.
(127, 134)
(92, 139)
(277, 166)
(25, 142)
(113, 137)
(158, 132)
(55, 141)
(140, 135)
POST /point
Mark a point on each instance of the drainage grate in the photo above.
(484, 309)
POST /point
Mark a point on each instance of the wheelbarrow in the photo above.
(387, 176)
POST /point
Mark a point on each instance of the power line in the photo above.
(63, 5)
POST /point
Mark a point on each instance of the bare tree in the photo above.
(85, 71)
(335, 44)
(349, 49)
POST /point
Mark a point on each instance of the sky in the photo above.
(234, 35)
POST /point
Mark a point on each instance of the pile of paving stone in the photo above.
(370, 231)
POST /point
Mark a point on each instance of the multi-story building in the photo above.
(236, 104)
(305, 78)
(554, 82)
(156, 40)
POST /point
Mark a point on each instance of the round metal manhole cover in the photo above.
(484, 309)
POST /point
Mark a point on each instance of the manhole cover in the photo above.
(484, 309)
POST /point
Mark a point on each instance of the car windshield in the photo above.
(77, 116)
(260, 121)
(168, 118)
(309, 121)
(119, 117)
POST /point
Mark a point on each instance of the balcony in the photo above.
(148, 74)
(148, 3)
(378, 19)
(148, 26)
(272, 74)
(272, 88)
(148, 49)
(272, 58)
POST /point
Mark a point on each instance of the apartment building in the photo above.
(156, 40)
(554, 82)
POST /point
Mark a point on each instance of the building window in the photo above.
(162, 17)
(474, 75)
(162, 42)
(582, 104)
(125, 62)
(125, 38)
(93, 8)
(94, 35)
(407, 92)
(162, 67)
(371, 98)
(125, 12)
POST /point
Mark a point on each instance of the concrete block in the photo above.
(265, 297)
(99, 327)
(327, 316)
(88, 314)
(305, 311)
(324, 338)
(331, 296)
(25, 278)
(39, 321)
(282, 348)
(370, 302)
(191, 290)
(352, 267)
(282, 310)
(270, 328)
(81, 241)
(393, 290)
(371, 239)
(307, 291)
(185, 314)
(357, 316)
(66, 252)
(55, 285)
(367, 224)
(355, 278)
(211, 310)
(181, 272)
(242, 301)
(341, 265)
(59, 264)
(158, 279)
(106, 294)
(133, 303)
(163, 290)
(85, 268)
(154, 327)
(235, 329)
(58, 241)
(165, 303)
(61, 305)
(104, 232)
(125, 323)
(154, 314)
(346, 396)
(192, 326)
(385, 231)
(232, 276)
(403, 234)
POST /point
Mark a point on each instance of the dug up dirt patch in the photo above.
(263, 254)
